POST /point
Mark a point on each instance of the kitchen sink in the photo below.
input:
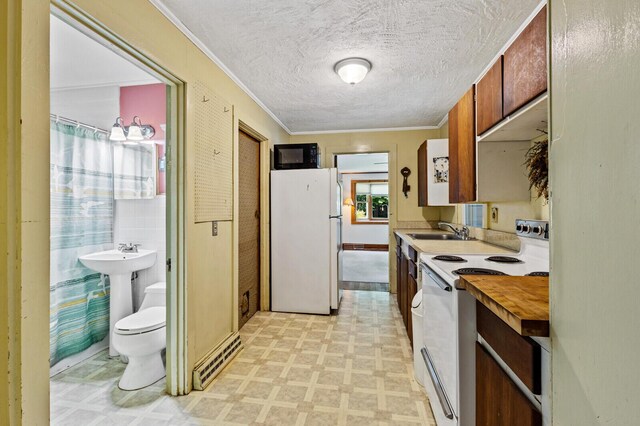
(444, 237)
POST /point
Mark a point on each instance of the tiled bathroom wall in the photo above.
(143, 222)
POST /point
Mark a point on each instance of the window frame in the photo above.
(369, 220)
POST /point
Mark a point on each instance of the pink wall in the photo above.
(149, 102)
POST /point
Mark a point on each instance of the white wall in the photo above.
(143, 222)
(595, 176)
(96, 106)
(364, 234)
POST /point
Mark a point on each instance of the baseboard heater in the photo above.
(215, 361)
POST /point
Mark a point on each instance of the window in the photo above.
(474, 215)
(371, 202)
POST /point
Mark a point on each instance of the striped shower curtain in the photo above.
(81, 222)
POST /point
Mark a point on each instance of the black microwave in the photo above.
(296, 156)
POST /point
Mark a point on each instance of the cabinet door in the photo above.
(399, 276)
(422, 175)
(525, 65)
(403, 285)
(462, 150)
(489, 98)
(499, 402)
(412, 289)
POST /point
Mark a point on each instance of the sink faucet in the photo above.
(128, 248)
(462, 233)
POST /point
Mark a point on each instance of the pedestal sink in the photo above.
(119, 266)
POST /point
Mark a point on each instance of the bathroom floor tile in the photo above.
(352, 368)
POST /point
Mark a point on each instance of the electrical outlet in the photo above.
(214, 229)
(494, 214)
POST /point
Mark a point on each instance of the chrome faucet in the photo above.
(128, 248)
(462, 233)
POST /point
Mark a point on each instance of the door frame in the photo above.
(176, 353)
(265, 253)
(330, 155)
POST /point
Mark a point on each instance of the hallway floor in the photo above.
(349, 369)
(365, 266)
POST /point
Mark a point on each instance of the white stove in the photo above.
(450, 318)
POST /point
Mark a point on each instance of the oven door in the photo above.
(440, 337)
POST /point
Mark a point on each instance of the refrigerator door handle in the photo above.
(336, 217)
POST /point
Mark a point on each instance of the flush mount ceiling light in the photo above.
(353, 70)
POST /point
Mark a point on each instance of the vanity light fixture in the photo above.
(117, 131)
(134, 133)
(348, 202)
(352, 70)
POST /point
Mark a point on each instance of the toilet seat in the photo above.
(143, 321)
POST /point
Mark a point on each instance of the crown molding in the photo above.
(384, 129)
(444, 120)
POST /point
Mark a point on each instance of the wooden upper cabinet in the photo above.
(422, 175)
(525, 65)
(462, 150)
(489, 98)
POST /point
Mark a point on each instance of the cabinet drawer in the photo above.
(413, 254)
(520, 353)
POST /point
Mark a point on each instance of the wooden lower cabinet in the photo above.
(412, 289)
(403, 292)
(399, 276)
(499, 402)
(407, 286)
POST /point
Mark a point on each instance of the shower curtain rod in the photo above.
(76, 123)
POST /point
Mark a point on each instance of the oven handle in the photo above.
(435, 277)
(442, 396)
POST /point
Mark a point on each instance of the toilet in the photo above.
(141, 337)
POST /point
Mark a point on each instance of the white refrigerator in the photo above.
(306, 240)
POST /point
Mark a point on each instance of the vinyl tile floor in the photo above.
(347, 369)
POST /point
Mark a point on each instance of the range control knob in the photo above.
(519, 227)
(538, 230)
(526, 229)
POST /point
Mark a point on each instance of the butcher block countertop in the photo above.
(448, 246)
(521, 302)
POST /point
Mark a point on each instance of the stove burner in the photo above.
(537, 274)
(503, 259)
(448, 258)
(477, 271)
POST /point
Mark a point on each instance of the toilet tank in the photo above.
(154, 295)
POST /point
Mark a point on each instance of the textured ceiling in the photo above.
(425, 54)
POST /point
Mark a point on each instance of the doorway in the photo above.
(365, 181)
(249, 228)
(114, 120)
